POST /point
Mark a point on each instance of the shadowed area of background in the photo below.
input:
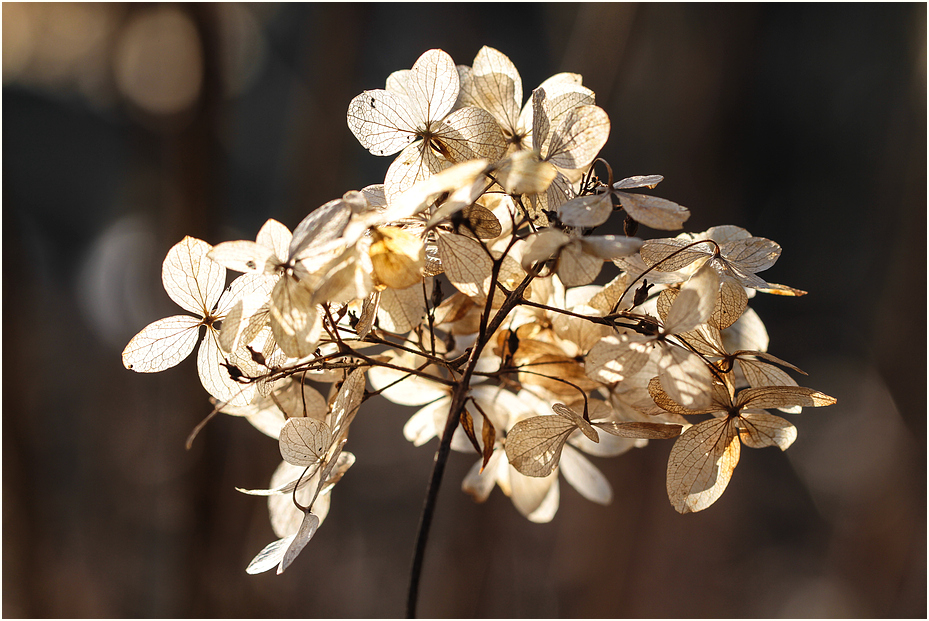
(126, 127)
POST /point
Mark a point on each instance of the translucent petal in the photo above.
(586, 211)
(192, 280)
(347, 402)
(420, 428)
(670, 255)
(470, 133)
(608, 247)
(576, 267)
(546, 510)
(748, 333)
(549, 106)
(695, 302)
(701, 463)
(433, 85)
(650, 431)
(399, 310)
(270, 556)
(654, 212)
(294, 320)
(730, 303)
(275, 236)
(413, 390)
(782, 396)
(580, 136)
(760, 429)
(304, 441)
(414, 164)
(478, 483)
(323, 225)
(497, 86)
(383, 122)
(532, 496)
(685, 377)
(616, 358)
(307, 530)
(523, 172)
(754, 254)
(285, 516)
(162, 344)
(449, 180)
(467, 264)
(244, 256)
(665, 402)
(397, 256)
(759, 373)
(639, 181)
(578, 420)
(216, 379)
(533, 446)
(585, 477)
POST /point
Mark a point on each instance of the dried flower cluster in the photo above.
(463, 286)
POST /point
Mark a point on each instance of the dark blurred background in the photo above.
(126, 127)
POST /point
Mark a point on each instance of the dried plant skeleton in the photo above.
(463, 286)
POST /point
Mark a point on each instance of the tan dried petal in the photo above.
(578, 420)
(469, 133)
(576, 267)
(533, 445)
(451, 179)
(782, 396)
(754, 254)
(304, 534)
(638, 181)
(648, 431)
(616, 358)
(497, 86)
(668, 255)
(346, 404)
(685, 376)
(759, 374)
(580, 136)
(215, 377)
(294, 320)
(654, 212)
(192, 280)
(415, 163)
(586, 211)
(701, 464)
(244, 256)
(695, 302)
(467, 264)
(776, 289)
(609, 247)
(730, 303)
(382, 122)
(162, 344)
(524, 173)
(760, 429)
(481, 222)
(304, 441)
(399, 310)
(433, 84)
(665, 402)
(398, 257)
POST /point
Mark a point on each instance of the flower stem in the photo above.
(459, 397)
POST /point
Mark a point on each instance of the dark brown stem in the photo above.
(459, 397)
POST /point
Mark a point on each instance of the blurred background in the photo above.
(128, 126)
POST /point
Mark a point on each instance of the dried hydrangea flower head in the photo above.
(463, 285)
